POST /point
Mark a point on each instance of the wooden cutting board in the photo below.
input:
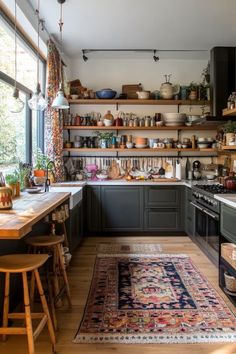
(130, 90)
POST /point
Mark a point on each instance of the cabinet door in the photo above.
(227, 227)
(93, 208)
(162, 196)
(122, 208)
(159, 219)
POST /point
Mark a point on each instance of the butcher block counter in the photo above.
(27, 210)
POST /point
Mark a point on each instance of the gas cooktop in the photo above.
(214, 188)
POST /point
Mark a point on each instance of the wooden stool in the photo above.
(53, 245)
(23, 263)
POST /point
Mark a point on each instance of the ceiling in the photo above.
(139, 24)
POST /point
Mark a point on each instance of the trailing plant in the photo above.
(206, 74)
(193, 86)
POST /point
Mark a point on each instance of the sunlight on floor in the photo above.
(227, 349)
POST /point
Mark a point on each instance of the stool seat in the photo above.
(18, 263)
(45, 241)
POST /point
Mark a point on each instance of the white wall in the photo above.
(113, 73)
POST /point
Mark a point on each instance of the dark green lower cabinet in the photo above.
(140, 209)
(122, 208)
(227, 222)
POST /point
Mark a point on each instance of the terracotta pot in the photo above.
(39, 173)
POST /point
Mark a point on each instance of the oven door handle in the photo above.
(196, 206)
(214, 216)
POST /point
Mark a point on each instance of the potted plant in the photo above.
(230, 131)
(40, 163)
(13, 182)
(104, 139)
(192, 89)
(24, 172)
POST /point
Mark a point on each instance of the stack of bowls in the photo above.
(173, 119)
(204, 143)
(140, 142)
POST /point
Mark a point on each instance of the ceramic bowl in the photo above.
(108, 122)
(129, 145)
(74, 97)
(202, 145)
(210, 176)
(106, 94)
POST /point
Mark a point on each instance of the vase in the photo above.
(103, 143)
(5, 198)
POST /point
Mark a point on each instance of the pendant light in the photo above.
(60, 101)
(37, 101)
(16, 105)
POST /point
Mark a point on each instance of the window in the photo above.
(20, 133)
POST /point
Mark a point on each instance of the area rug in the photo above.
(130, 248)
(153, 299)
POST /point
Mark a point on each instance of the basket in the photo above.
(230, 282)
(228, 252)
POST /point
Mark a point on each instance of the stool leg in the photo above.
(65, 235)
(6, 303)
(28, 319)
(45, 307)
(55, 276)
(51, 298)
(63, 270)
(32, 290)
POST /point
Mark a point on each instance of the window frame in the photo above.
(28, 92)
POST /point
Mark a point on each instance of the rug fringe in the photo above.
(155, 339)
(160, 255)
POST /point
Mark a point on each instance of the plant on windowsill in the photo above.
(13, 182)
(40, 163)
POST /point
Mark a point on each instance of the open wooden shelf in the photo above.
(139, 102)
(163, 127)
(135, 149)
(229, 112)
(229, 147)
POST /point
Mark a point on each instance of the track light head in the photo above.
(85, 58)
(155, 58)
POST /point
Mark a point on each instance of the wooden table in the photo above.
(27, 210)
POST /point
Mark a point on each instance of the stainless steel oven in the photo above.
(207, 223)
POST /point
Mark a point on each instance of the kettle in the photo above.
(230, 183)
(167, 90)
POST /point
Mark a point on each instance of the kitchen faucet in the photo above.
(47, 181)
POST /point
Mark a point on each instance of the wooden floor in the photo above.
(80, 273)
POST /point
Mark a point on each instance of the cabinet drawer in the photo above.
(157, 219)
(227, 227)
(161, 196)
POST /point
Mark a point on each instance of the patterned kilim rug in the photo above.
(153, 299)
(131, 248)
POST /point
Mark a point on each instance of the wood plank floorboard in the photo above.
(80, 275)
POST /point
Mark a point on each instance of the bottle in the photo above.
(188, 169)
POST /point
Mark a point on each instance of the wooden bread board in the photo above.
(165, 180)
(130, 90)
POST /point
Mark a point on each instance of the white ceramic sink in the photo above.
(76, 193)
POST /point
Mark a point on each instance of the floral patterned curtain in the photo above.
(53, 118)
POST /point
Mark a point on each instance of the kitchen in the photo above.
(138, 189)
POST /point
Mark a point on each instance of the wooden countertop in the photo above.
(27, 210)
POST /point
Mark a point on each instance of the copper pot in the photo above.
(230, 183)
